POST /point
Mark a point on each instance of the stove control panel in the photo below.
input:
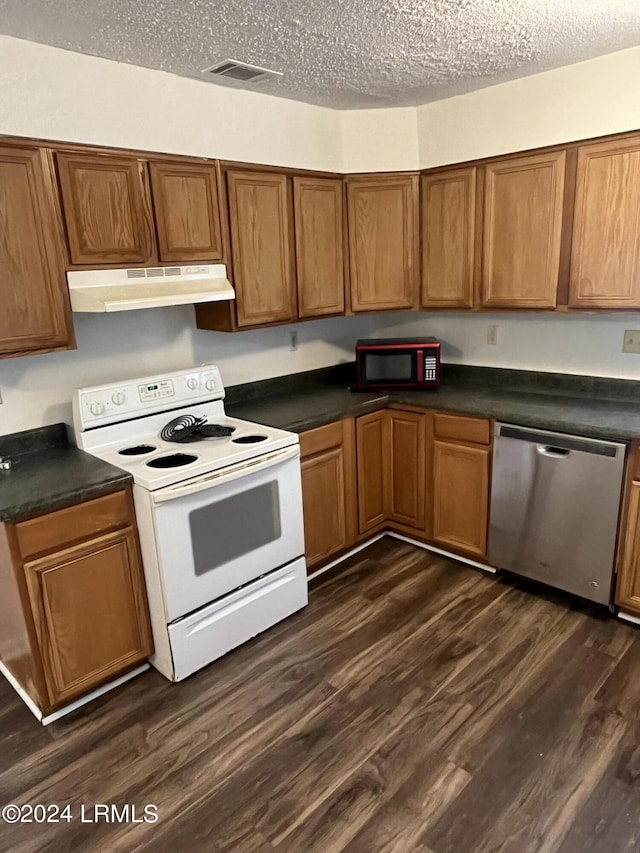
(109, 404)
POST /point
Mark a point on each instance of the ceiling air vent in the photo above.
(241, 72)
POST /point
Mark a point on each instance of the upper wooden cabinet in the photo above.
(383, 241)
(261, 241)
(187, 211)
(107, 208)
(605, 255)
(35, 313)
(319, 245)
(522, 229)
(448, 238)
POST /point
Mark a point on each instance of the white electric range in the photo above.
(219, 509)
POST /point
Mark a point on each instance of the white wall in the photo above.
(58, 94)
(590, 98)
(38, 389)
(380, 140)
(590, 345)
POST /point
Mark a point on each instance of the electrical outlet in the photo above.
(293, 341)
(492, 335)
(631, 341)
(0, 398)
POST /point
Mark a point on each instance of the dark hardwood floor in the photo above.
(415, 705)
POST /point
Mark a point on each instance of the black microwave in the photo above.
(397, 363)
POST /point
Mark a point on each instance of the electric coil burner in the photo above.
(218, 506)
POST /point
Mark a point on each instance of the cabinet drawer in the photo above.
(53, 531)
(322, 438)
(457, 428)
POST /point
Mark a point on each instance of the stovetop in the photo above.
(131, 423)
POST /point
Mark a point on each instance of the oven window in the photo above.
(228, 529)
(389, 367)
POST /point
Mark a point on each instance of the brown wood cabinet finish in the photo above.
(75, 576)
(107, 208)
(90, 613)
(448, 238)
(383, 241)
(405, 458)
(35, 313)
(187, 211)
(522, 231)
(461, 497)
(370, 450)
(319, 220)
(261, 240)
(605, 259)
(462, 428)
(328, 491)
(628, 584)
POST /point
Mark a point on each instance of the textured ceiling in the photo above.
(339, 53)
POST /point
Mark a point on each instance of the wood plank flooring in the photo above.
(414, 705)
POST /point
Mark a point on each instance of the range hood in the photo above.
(151, 287)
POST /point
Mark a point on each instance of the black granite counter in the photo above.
(48, 473)
(584, 405)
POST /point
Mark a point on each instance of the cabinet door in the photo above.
(319, 246)
(628, 586)
(461, 497)
(522, 231)
(186, 204)
(107, 208)
(328, 491)
(383, 241)
(448, 238)
(35, 311)
(605, 255)
(261, 241)
(89, 607)
(370, 451)
(406, 468)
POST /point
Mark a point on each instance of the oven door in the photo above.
(219, 531)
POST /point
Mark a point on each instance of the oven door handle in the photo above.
(234, 472)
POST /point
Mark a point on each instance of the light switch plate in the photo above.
(492, 334)
(631, 340)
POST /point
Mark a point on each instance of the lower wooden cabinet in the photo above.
(79, 577)
(405, 461)
(370, 450)
(628, 587)
(461, 466)
(328, 491)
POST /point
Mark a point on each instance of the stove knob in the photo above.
(96, 408)
(210, 385)
(119, 398)
(192, 383)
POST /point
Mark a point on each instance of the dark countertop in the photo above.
(584, 405)
(48, 473)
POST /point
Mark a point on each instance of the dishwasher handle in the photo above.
(560, 441)
(550, 450)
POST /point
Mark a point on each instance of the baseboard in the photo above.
(627, 617)
(73, 706)
(411, 541)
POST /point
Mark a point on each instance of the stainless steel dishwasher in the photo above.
(555, 501)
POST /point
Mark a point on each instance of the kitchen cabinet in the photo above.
(628, 586)
(605, 261)
(522, 230)
(107, 208)
(318, 206)
(448, 225)
(383, 236)
(83, 616)
(370, 453)
(187, 212)
(36, 314)
(261, 224)
(405, 463)
(328, 491)
(461, 466)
